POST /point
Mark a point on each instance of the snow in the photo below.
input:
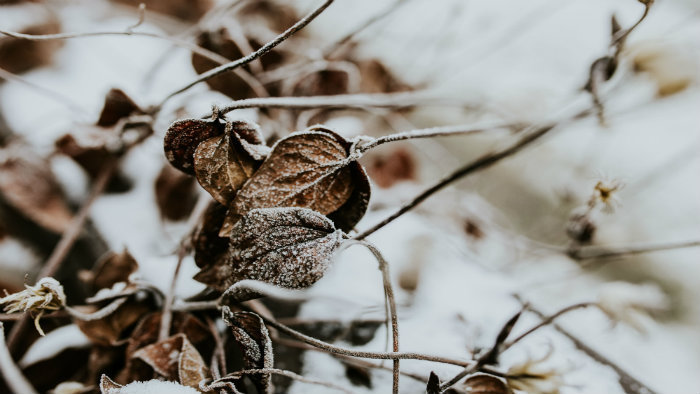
(516, 61)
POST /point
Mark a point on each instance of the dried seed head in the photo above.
(46, 295)
(533, 377)
(628, 303)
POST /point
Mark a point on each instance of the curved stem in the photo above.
(249, 58)
(431, 132)
(12, 374)
(288, 374)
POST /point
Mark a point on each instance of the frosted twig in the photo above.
(182, 251)
(345, 101)
(431, 132)
(289, 374)
(68, 239)
(628, 383)
(99, 314)
(12, 374)
(389, 294)
(592, 253)
(547, 321)
(249, 58)
(58, 97)
(332, 48)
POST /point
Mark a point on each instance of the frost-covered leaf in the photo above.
(107, 386)
(254, 340)
(486, 384)
(183, 137)
(311, 170)
(28, 185)
(287, 247)
(224, 163)
(146, 333)
(208, 246)
(175, 359)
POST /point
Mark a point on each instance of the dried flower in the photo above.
(532, 377)
(46, 295)
(605, 192)
(626, 302)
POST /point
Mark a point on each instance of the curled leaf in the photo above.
(117, 106)
(175, 359)
(486, 384)
(310, 169)
(224, 163)
(254, 340)
(287, 247)
(183, 137)
(28, 185)
(175, 193)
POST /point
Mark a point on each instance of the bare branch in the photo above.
(249, 58)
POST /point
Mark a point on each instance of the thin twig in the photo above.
(547, 321)
(12, 374)
(291, 375)
(345, 101)
(332, 48)
(182, 251)
(475, 166)
(67, 240)
(249, 58)
(628, 383)
(58, 97)
(389, 294)
(431, 132)
(605, 253)
(99, 314)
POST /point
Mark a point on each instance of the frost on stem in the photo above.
(46, 295)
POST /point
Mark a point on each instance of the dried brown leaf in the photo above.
(311, 170)
(175, 193)
(486, 384)
(376, 78)
(19, 55)
(287, 247)
(254, 340)
(108, 386)
(433, 386)
(187, 10)
(322, 83)
(110, 330)
(146, 333)
(208, 246)
(28, 185)
(175, 359)
(398, 165)
(117, 106)
(183, 137)
(113, 268)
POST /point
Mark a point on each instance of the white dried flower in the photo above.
(627, 303)
(46, 295)
(532, 377)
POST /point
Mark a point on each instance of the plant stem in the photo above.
(352, 101)
(628, 383)
(249, 58)
(431, 132)
(603, 253)
(12, 374)
(67, 240)
(389, 293)
(479, 164)
(290, 375)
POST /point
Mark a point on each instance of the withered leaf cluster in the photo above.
(279, 212)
